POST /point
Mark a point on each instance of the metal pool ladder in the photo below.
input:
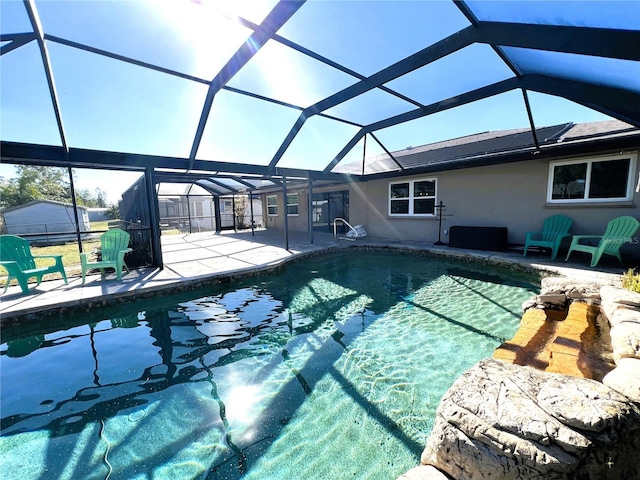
(335, 231)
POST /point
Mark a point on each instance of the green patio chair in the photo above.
(554, 230)
(619, 231)
(16, 258)
(114, 245)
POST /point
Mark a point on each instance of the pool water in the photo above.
(331, 369)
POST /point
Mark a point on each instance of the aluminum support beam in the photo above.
(270, 25)
(310, 209)
(285, 213)
(154, 218)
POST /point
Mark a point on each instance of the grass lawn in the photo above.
(70, 258)
(69, 252)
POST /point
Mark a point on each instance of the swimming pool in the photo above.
(332, 368)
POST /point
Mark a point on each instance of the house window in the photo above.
(591, 180)
(272, 205)
(292, 204)
(415, 197)
(227, 206)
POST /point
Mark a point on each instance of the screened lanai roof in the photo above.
(241, 93)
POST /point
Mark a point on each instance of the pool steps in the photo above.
(567, 342)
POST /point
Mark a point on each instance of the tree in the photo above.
(240, 207)
(85, 198)
(45, 183)
(35, 183)
(101, 198)
(113, 211)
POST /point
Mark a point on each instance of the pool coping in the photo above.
(62, 300)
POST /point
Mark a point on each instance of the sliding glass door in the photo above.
(328, 206)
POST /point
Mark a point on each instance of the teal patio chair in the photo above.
(554, 230)
(114, 245)
(16, 258)
(619, 231)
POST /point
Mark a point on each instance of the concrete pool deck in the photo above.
(202, 257)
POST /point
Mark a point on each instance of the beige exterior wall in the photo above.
(300, 222)
(509, 195)
(359, 209)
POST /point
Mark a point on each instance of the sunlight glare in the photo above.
(285, 76)
(252, 10)
(241, 403)
(201, 24)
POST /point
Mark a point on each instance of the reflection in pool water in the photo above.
(332, 368)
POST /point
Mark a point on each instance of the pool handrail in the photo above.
(335, 231)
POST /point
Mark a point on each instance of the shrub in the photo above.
(631, 280)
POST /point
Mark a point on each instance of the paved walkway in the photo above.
(194, 258)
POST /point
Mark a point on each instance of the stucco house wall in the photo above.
(512, 195)
(509, 195)
(298, 222)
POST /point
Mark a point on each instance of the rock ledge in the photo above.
(501, 420)
(506, 421)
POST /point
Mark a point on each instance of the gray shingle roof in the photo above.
(487, 144)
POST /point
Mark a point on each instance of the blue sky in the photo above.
(111, 105)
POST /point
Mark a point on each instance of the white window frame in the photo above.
(227, 206)
(297, 205)
(199, 208)
(633, 160)
(411, 197)
(274, 205)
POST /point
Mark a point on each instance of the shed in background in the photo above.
(45, 221)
